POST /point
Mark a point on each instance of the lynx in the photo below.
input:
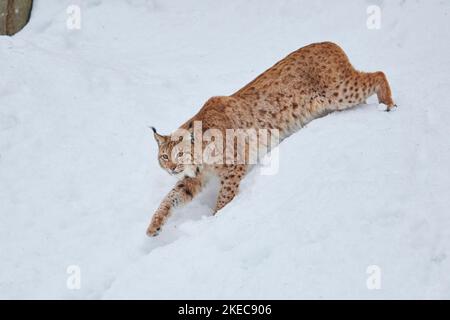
(307, 84)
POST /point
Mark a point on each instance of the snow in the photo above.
(79, 179)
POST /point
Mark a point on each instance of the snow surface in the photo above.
(79, 179)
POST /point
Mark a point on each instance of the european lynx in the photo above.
(307, 84)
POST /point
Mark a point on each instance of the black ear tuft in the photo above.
(159, 138)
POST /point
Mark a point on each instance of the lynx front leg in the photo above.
(230, 178)
(183, 192)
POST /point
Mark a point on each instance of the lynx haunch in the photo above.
(307, 84)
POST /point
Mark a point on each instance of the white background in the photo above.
(79, 179)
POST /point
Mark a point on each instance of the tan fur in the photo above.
(307, 84)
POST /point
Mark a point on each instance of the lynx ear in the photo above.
(160, 139)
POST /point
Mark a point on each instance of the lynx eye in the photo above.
(180, 154)
(165, 157)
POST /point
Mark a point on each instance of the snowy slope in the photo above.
(79, 179)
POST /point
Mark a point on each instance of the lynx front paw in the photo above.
(157, 222)
(153, 231)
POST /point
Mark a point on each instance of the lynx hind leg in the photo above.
(230, 178)
(376, 82)
(356, 89)
(383, 90)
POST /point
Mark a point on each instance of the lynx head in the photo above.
(175, 153)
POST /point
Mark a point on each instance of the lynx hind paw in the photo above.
(387, 108)
(390, 108)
